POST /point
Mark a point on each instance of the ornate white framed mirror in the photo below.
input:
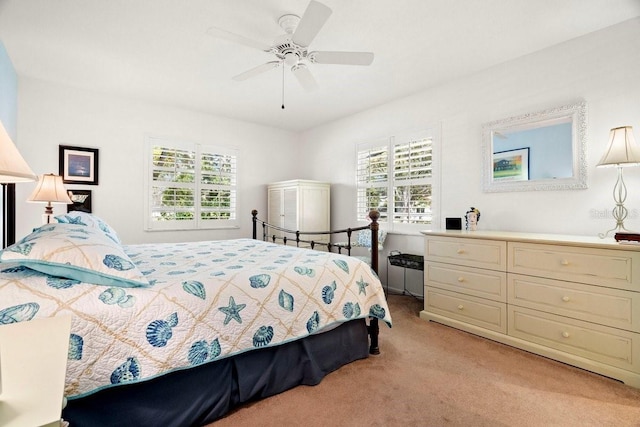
(545, 150)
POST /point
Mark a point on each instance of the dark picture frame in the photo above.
(78, 165)
(81, 201)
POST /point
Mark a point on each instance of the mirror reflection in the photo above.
(537, 151)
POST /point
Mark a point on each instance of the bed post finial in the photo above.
(254, 214)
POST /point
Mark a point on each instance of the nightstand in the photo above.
(33, 363)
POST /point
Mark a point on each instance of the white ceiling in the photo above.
(158, 50)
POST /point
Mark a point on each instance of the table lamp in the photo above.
(13, 168)
(50, 189)
(622, 151)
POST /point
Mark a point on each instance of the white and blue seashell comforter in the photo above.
(207, 301)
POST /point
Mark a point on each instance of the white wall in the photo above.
(50, 115)
(602, 68)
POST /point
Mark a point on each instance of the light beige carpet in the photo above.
(431, 375)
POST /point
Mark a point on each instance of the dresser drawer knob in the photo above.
(565, 334)
(460, 307)
(460, 279)
(564, 262)
(460, 251)
(566, 299)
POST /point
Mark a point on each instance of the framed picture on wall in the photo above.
(81, 201)
(78, 165)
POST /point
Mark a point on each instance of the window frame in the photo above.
(197, 150)
(387, 220)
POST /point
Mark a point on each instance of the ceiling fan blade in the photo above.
(257, 70)
(236, 38)
(344, 58)
(304, 76)
(310, 24)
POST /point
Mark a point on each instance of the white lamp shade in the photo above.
(50, 189)
(622, 149)
(13, 167)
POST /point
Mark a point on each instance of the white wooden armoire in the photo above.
(302, 205)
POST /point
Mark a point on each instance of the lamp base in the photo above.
(47, 216)
(619, 229)
(619, 211)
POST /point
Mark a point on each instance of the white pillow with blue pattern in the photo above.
(364, 238)
(75, 252)
(90, 220)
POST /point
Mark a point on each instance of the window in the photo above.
(373, 179)
(190, 186)
(395, 177)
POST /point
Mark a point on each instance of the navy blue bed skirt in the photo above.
(200, 395)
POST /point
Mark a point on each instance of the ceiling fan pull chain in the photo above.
(283, 86)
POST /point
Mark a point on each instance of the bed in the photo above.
(179, 334)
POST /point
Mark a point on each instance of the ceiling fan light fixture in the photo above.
(291, 59)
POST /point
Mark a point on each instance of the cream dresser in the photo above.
(570, 298)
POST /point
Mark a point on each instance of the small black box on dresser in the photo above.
(453, 223)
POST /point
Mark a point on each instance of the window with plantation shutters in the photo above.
(412, 176)
(395, 177)
(373, 179)
(190, 186)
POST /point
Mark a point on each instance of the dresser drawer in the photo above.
(477, 311)
(604, 267)
(606, 306)
(490, 254)
(610, 346)
(478, 282)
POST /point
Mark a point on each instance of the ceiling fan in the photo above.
(291, 48)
